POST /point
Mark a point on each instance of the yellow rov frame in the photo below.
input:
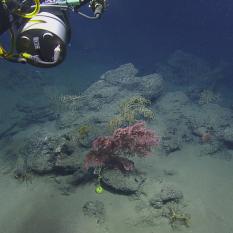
(9, 55)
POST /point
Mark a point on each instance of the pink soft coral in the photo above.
(135, 139)
(131, 140)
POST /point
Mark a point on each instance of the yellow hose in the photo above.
(3, 52)
(31, 14)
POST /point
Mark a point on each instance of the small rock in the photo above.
(156, 202)
(228, 136)
(95, 209)
(211, 148)
(169, 172)
(169, 193)
(122, 183)
(171, 144)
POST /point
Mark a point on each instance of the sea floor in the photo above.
(39, 207)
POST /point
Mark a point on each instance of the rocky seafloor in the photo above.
(50, 134)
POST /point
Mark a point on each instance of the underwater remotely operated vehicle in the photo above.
(40, 31)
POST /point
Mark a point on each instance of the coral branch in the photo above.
(132, 140)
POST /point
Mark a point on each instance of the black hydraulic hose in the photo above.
(97, 13)
(36, 59)
(97, 16)
(98, 10)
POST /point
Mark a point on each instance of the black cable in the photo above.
(89, 17)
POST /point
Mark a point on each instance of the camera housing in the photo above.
(40, 35)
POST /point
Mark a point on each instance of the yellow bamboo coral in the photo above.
(128, 117)
(177, 216)
(137, 106)
(133, 102)
(115, 122)
(83, 131)
(131, 110)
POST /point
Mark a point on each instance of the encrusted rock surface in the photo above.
(50, 155)
(167, 194)
(227, 136)
(149, 86)
(170, 193)
(119, 182)
(183, 121)
(102, 98)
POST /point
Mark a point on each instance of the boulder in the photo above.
(118, 182)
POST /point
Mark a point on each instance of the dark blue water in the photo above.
(145, 33)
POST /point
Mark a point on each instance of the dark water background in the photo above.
(144, 33)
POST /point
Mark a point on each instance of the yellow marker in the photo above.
(26, 55)
(2, 52)
(99, 189)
